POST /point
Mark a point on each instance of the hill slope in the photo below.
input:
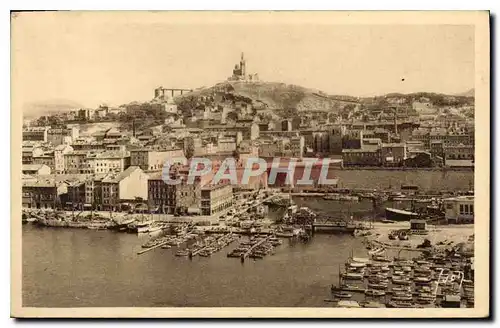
(274, 95)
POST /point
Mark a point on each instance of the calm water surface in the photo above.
(78, 268)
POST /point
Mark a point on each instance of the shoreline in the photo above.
(382, 168)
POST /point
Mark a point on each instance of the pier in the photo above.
(198, 251)
(247, 253)
(151, 248)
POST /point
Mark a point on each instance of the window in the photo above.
(471, 208)
(462, 210)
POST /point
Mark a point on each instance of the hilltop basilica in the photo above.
(240, 73)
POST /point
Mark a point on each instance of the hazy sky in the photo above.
(92, 61)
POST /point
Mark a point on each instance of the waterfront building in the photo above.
(352, 139)
(393, 154)
(459, 209)
(437, 148)
(124, 187)
(216, 198)
(421, 159)
(178, 198)
(43, 192)
(77, 194)
(361, 157)
(36, 169)
(460, 151)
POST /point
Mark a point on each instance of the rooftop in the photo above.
(111, 178)
(33, 167)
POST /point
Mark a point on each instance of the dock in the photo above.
(196, 252)
(247, 253)
(151, 248)
(257, 203)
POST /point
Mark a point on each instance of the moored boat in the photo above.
(374, 292)
(342, 294)
(395, 214)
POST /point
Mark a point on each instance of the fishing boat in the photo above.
(122, 226)
(374, 292)
(98, 225)
(423, 262)
(353, 276)
(426, 299)
(139, 225)
(182, 253)
(401, 289)
(422, 280)
(155, 227)
(351, 288)
(342, 294)
(401, 281)
(376, 251)
(377, 286)
(402, 297)
(425, 270)
(395, 214)
(380, 258)
(143, 228)
(356, 264)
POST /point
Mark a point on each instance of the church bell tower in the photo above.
(243, 65)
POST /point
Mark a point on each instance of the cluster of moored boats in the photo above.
(402, 282)
(208, 246)
(256, 248)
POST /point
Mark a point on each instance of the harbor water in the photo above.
(88, 268)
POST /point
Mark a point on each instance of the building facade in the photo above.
(172, 198)
(459, 209)
(216, 198)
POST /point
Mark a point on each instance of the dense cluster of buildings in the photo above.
(66, 166)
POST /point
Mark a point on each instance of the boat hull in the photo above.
(393, 214)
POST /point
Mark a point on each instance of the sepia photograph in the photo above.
(250, 164)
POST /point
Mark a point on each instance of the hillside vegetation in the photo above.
(273, 95)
